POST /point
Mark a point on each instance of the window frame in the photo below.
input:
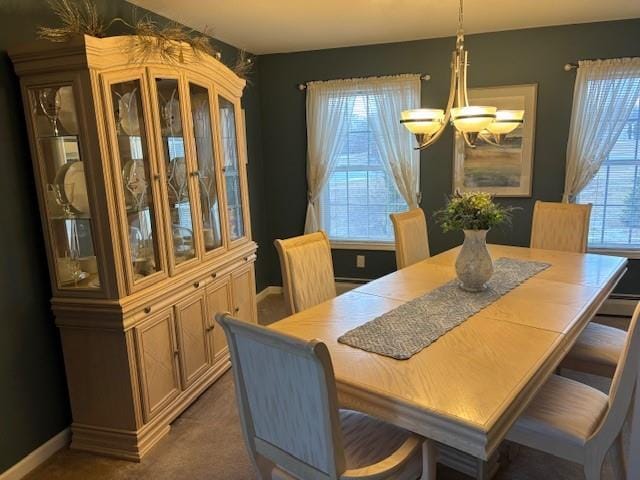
(359, 243)
(621, 250)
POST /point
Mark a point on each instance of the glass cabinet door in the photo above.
(177, 173)
(62, 172)
(207, 181)
(126, 103)
(231, 168)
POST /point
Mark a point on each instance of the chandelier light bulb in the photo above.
(422, 121)
(506, 122)
(472, 119)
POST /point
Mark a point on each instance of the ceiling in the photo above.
(271, 26)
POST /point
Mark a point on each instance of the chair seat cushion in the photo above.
(564, 412)
(596, 350)
(368, 440)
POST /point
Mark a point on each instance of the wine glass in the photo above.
(74, 250)
(50, 104)
(64, 195)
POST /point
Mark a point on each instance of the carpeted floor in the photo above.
(206, 443)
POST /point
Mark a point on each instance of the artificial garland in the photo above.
(81, 17)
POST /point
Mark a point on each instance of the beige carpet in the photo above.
(206, 443)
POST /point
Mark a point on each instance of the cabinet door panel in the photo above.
(218, 300)
(156, 351)
(233, 168)
(191, 323)
(136, 178)
(177, 188)
(207, 173)
(62, 171)
(244, 294)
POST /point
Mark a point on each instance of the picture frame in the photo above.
(506, 170)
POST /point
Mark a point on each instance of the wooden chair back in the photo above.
(285, 389)
(307, 270)
(622, 386)
(412, 241)
(560, 226)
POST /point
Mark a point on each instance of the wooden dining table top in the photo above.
(468, 387)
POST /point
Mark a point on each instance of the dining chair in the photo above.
(307, 270)
(412, 241)
(565, 226)
(560, 226)
(579, 423)
(596, 351)
(293, 429)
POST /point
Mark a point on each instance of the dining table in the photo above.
(465, 390)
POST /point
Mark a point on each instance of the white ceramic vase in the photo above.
(474, 265)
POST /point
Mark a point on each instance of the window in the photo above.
(615, 192)
(360, 194)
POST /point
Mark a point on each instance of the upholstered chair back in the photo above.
(287, 398)
(307, 270)
(622, 386)
(412, 241)
(560, 226)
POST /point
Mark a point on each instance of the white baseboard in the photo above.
(272, 290)
(38, 456)
(341, 287)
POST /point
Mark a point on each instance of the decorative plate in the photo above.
(128, 108)
(74, 186)
(67, 113)
(171, 113)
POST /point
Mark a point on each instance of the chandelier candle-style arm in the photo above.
(471, 121)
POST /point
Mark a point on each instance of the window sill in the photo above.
(618, 252)
(346, 245)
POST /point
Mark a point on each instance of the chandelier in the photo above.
(472, 121)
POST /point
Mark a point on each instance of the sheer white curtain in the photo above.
(604, 95)
(327, 104)
(395, 142)
(328, 109)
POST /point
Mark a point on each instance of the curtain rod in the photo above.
(572, 66)
(303, 86)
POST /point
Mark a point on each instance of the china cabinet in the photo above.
(141, 177)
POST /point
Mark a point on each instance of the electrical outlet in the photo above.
(360, 261)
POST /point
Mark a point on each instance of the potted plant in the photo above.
(475, 214)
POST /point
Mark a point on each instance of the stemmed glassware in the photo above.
(64, 197)
(71, 261)
(50, 103)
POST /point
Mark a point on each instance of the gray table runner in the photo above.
(407, 329)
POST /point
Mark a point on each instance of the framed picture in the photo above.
(505, 170)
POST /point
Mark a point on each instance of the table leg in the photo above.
(633, 459)
(429, 453)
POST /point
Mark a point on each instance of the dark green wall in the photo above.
(34, 402)
(503, 58)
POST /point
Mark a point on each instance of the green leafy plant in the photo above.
(472, 211)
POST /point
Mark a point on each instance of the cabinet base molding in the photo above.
(133, 445)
